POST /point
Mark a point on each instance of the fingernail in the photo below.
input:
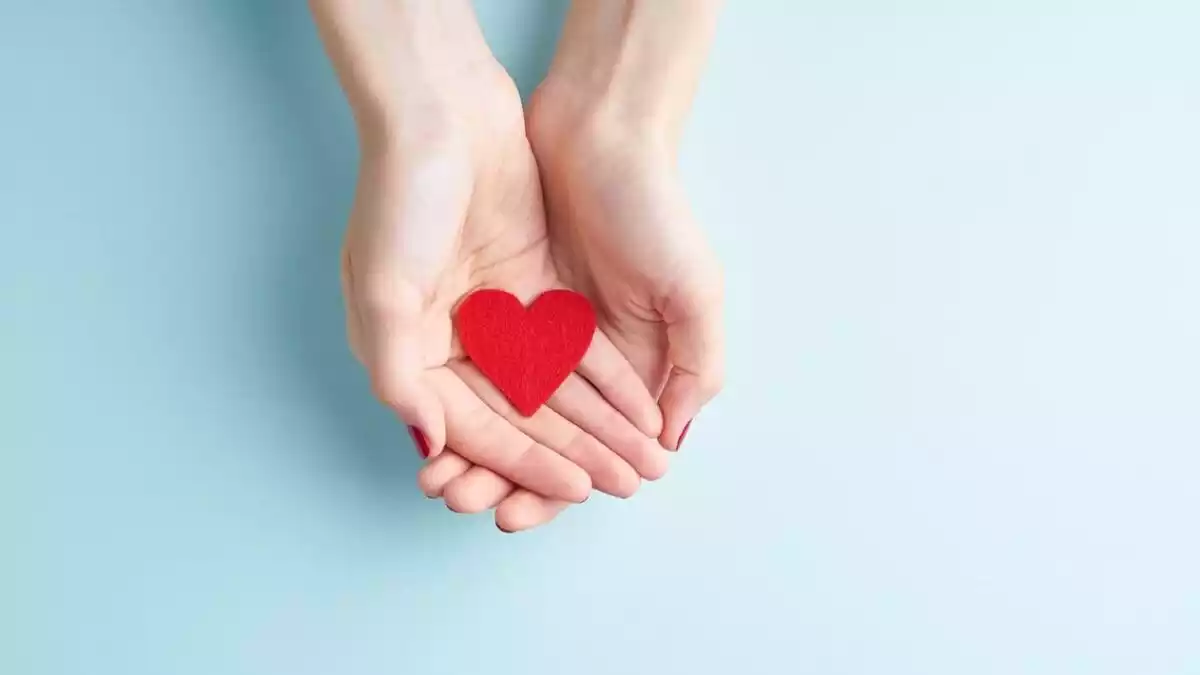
(683, 435)
(419, 441)
(501, 528)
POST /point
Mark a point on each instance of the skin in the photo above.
(450, 199)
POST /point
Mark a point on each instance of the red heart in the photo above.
(526, 353)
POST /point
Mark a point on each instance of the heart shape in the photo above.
(526, 352)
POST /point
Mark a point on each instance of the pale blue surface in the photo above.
(960, 435)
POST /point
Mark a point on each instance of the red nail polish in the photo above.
(683, 435)
(419, 441)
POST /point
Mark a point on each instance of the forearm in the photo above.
(402, 62)
(633, 62)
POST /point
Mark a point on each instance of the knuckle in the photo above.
(487, 432)
(582, 446)
(526, 456)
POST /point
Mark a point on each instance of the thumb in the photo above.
(696, 351)
(391, 334)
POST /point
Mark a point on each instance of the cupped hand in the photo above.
(621, 231)
(438, 213)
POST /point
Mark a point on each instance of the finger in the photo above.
(439, 471)
(578, 402)
(609, 472)
(477, 490)
(486, 439)
(390, 317)
(696, 349)
(523, 510)
(615, 378)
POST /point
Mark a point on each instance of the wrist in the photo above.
(430, 96)
(568, 124)
(629, 67)
(409, 68)
(432, 109)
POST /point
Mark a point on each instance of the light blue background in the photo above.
(960, 434)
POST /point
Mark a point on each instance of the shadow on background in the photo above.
(282, 56)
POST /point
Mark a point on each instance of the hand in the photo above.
(622, 232)
(605, 126)
(449, 201)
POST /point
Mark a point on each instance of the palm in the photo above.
(427, 231)
(603, 244)
(502, 241)
(621, 228)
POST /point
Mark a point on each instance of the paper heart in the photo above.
(526, 352)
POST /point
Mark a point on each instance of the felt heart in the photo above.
(526, 352)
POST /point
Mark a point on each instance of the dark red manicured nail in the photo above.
(683, 435)
(419, 441)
